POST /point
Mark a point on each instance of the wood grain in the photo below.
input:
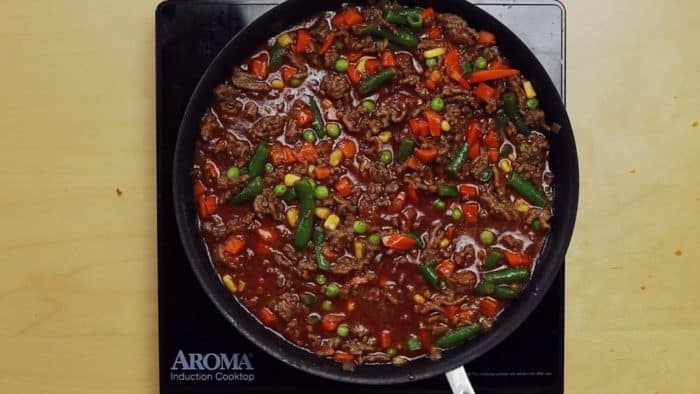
(78, 282)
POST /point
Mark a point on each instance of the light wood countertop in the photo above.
(78, 265)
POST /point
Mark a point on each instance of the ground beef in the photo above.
(404, 64)
(511, 242)
(246, 81)
(209, 126)
(335, 85)
(457, 30)
(504, 210)
(478, 165)
(356, 119)
(375, 171)
(330, 57)
(287, 306)
(268, 127)
(538, 213)
(345, 265)
(266, 203)
(226, 92)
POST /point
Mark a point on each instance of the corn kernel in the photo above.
(284, 40)
(445, 125)
(359, 249)
(322, 213)
(505, 166)
(228, 282)
(331, 222)
(241, 285)
(521, 205)
(529, 90)
(444, 242)
(277, 84)
(435, 52)
(293, 216)
(361, 64)
(335, 158)
(325, 103)
(291, 179)
(311, 169)
(385, 136)
(419, 299)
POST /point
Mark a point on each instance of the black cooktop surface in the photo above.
(194, 337)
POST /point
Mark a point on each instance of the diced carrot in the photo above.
(354, 56)
(307, 153)
(289, 156)
(338, 20)
(469, 191)
(445, 268)
(434, 119)
(456, 75)
(426, 338)
(388, 59)
(491, 75)
(492, 140)
(435, 76)
(277, 154)
(330, 321)
(474, 150)
(473, 132)
(322, 172)
(350, 306)
(344, 187)
(398, 241)
(471, 212)
(428, 13)
(493, 155)
(412, 163)
(498, 65)
(341, 356)
(397, 203)
(411, 194)
(348, 148)
(489, 307)
(419, 127)
(371, 65)
(327, 44)
(385, 339)
(426, 153)
(452, 60)
(430, 84)
(449, 311)
(207, 205)
(287, 73)
(234, 246)
(435, 32)
(486, 37)
(485, 92)
(199, 188)
(353, 74)
(303, 116)
(303, 41)
(451, 230)
(517, 259)
(258, 66)
(352, 17)
(267, 316)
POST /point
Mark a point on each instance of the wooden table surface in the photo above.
(78, 263)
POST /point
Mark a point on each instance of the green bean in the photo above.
(501, 121)
(415, 21)
(493, 259)
(321, 260)
(420, 244)
(510, 106)
(527, 190)
(248, 193)
(459, 335)
(290, 195)
(467, 68)
(405, 149)
(257, 161)
(459, 157)
(532, 103)
(444, 190)
(305, 194)
(401, 37)
(505, 293)
(429, 273)
(507, 276)
(395, 17)
(408, 11)
(277, 56)
(317, 124)
(485, 289)
(373, 82)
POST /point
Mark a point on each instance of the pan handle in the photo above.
(459, 382)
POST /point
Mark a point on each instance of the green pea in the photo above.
(391, 351)
(431, 62)
(233, 172)
(486, 175)
(374, 239)
(269, 167)
(506, 150)
(360, 227)
(295, 82)
(327, 305)
(279, 190)
(439, 204)
(532, 103)
(480, 63)
(456, 214)
(332, 290)
(339, 45)
(311, 182)
(369, 105)
(321, 192)
(341, 65)
(537, 225)
(436, 104)
(413, 343)
(308, 299)
(343, 330)
(309, 135)
(333, 130)
(385, 157)
(321, 279)
(487, 237)
(522, 148)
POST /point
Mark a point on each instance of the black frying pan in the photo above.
(562, 160)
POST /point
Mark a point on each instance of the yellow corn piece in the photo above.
(529, 89)
(331, 222)
(311, 169)
(325, 103)
(445, 125)
(419, 299)
(277, 84)
(284, 40)
(228, 282)
(385, 136)
(293, 216)
(322, 213)
(291, 179)
(335, 158)
(361, 64)
(435, 52)
(521, 205)
(505, 166)
(359, 249)
(444, 242)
